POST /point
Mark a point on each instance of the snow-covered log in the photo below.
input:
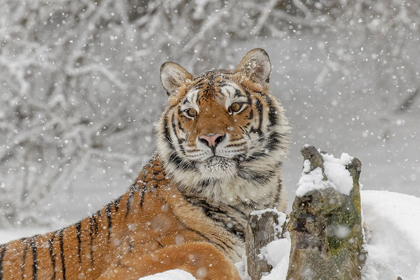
(263, 227)
(325, 223)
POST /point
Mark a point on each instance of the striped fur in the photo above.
(188, 208)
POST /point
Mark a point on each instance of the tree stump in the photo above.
(325, 228)
(263, 227)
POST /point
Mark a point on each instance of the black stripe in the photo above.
(79, 240)
(251, 114)
(260, 114)
(277, 197)
(91, 239)
(117, 204)
(272, 116)
(133, 189)
(179, 163)
(272, 113)
(3, 252)
(35, 259)
(25, 252)
(273, 141)
(95, 224)
(248, 95)
(52, 255)
(255, 156)
(204, 183)
(180, 141)
(63, 264)
(174, 158)
(238, 93)
(199, 79)
(167, 134)
(238, 211)
(251, 111)
(260, 120)
(142, 192)
(199, 85)
(261, 178)
(235, 145)
(221, 216)
(203, 236)
(220, 95)
(179, 123)
(109, 219)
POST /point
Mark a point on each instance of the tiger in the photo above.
(221, 142)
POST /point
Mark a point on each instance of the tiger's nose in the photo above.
(212, 139)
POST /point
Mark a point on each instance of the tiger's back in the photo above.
(221, 143)
(151, 216)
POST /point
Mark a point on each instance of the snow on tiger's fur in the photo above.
(221, 143)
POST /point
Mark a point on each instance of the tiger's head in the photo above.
(223, 135)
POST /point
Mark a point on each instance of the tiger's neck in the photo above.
(254, 187)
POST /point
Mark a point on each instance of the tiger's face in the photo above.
(213, 122)
(223, 125)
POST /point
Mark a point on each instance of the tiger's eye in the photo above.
(192, 113)
(235, 107)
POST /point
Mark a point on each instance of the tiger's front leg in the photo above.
(200, 259)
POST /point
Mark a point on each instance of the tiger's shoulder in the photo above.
(193, 213)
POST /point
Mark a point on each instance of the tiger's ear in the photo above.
(173, 76)
(256, 66)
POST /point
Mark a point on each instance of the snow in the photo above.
(312, 181)
(393, 246)
(176, 274)
(278, 256)
(335, 169)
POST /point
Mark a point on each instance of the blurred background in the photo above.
(80, 92)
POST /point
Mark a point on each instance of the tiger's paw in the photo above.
(200, 259)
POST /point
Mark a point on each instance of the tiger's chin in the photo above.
(218, 168)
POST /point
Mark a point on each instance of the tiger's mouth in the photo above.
(217, 167)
